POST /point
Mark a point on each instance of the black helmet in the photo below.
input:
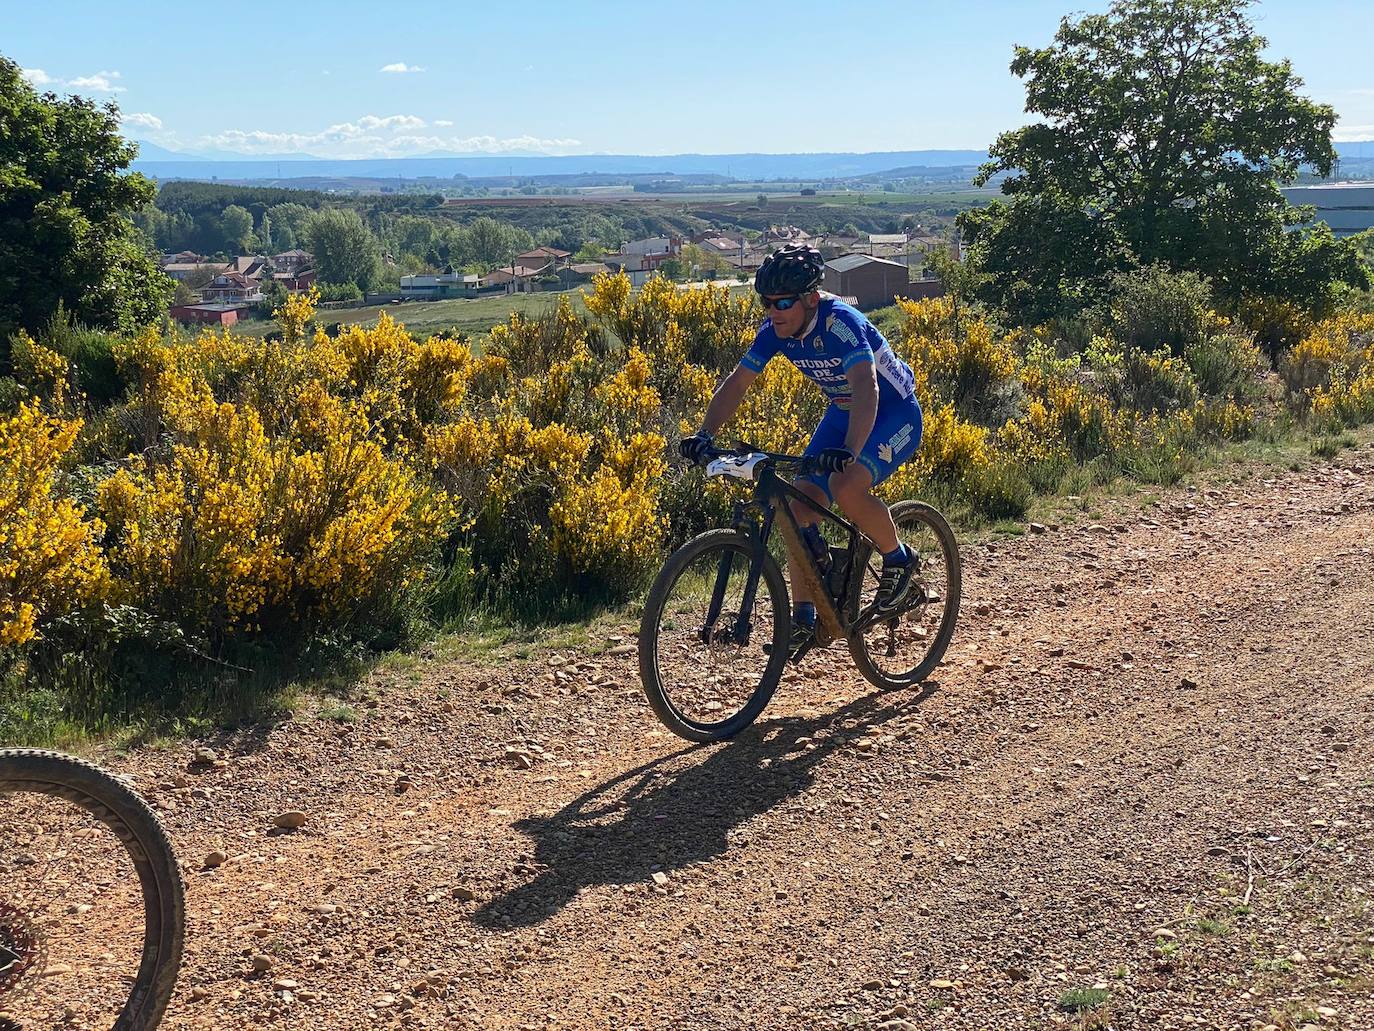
(793, 269)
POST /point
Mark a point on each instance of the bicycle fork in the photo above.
(739, 634)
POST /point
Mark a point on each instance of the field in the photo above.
(468, 316)
(869, 211)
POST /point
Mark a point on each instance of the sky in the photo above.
(363, 79)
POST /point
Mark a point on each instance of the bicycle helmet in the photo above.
(793, 269)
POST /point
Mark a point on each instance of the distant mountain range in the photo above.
(167, 164)
(162, 163)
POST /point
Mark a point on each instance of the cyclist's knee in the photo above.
(802, 513)
(851, 485)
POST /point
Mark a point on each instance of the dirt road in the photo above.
(1147, 769)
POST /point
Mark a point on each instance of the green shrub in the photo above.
(999, 490)
(340, 292)
(91, 353)
(1155, 307)
(1227, 365)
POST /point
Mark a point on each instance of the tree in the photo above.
(236, 224)
(414, 235)
(762, 200)
(345, 249)
(1165, 137)
(288, 223)
(65, 230)
(490, 243)
(709, 263)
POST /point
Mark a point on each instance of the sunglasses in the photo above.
(779, 304)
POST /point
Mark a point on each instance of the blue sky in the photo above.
(353, 79)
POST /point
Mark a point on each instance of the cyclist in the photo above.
(871, 426)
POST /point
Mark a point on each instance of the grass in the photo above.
(339, 713)
(1079, 1000)
(473, 316)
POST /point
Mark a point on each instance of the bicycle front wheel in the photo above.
(900, 649)
(710, 656)
(92, 912)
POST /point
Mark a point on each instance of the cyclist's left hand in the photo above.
(834, 459)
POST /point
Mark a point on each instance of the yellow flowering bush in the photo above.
(236, 532)
(1330, 373)
(43, 371)
(310, 483)
(50, 560)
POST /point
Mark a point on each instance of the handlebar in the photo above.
(803, 464)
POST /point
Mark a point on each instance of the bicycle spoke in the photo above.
(896, 643)
(712, 653)
(71, 915)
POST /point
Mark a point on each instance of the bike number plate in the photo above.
(741, 466)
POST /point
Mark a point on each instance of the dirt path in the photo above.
(1141, 725)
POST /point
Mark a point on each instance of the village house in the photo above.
(207, 314)
(296, 282)
(874, 282)
(292, 261)
(232, 287)
(580, 273)
(516, 280)
(184, 270)
(543, 258)
(435, 287)
(777, 236)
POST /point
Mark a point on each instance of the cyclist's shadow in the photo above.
(672, 811)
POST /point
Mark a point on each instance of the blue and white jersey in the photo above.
(838, 340)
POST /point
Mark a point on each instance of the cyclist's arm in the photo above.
(863, 405)
(727, 398)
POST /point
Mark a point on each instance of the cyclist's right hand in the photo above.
(696, 447)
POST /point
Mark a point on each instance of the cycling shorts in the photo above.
(896, 436)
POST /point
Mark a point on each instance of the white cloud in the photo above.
(391, 122)
(401, 68)
(143, 120)
(376, 136)
(36, 76)
(443, 123)
(1353, 133)
(100, 82)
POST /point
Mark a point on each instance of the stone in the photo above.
(261, 964)
(291, 820)
(214, 859)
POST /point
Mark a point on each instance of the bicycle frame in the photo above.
(771, 496)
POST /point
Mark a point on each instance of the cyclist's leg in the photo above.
(829, 433)
(895, 437)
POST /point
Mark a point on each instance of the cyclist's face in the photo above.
(791, 322)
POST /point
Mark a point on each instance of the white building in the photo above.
(1348, 208)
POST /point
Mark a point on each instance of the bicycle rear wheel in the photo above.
(708, 662)
(92, 910)
(901, 649)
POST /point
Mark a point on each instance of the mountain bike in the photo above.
(714, 637)
(92, 909)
